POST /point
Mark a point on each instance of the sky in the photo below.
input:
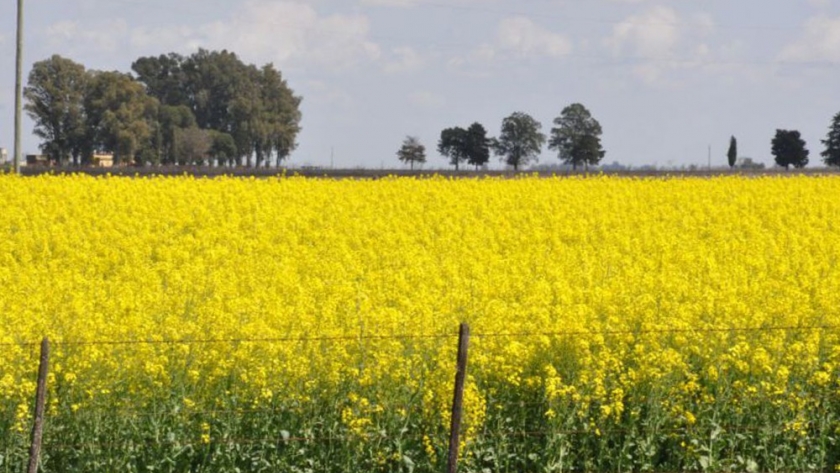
(665, 78)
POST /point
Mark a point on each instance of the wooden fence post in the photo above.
(458, 399)
(40, 398)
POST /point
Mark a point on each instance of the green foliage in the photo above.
(520, 141)
(77, 112)
(732, 154)
(223, 148)
(121, 117)
(254, 106)
(831, 155)
(453, 145)
(412, 151)
(192, 146)
(470, 145)
(477, 145)
(789, 149)
(55, 101)
(577, 137)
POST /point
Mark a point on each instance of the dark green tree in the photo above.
(477, 147)
(577, 137)
(171, 119)
(412, 151)
(789, 149)
(163, 77)
(520, 141)
(192, 146)
(453, 144)
(54, 96)
(831, 155)
(121, 116)
(222, 149)
(254, 106)
(732, 154)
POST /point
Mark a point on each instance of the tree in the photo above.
(520, 141)
(831, 155)
(477, 146)
(253, 106)
(453, 145)
(192, 146)
(412, 151)
(789, 149)
(54, 96)
(577, 137)
(171, 119)
(732, 154)
(121, 116)
(222, 148)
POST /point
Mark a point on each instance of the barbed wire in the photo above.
(361, 337)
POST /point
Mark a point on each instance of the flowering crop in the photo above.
(310, 325)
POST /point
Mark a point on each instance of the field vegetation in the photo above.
(307, 325)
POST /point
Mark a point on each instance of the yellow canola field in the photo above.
(597, 305)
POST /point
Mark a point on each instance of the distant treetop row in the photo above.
(207, 108)
(576, 137)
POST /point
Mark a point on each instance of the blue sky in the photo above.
(666, 78)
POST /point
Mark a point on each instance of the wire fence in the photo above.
(405, 336)
(198, 439)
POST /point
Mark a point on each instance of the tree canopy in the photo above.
(55, 101)
(831, 155)
(244, 113)
(412, 151)
(789, 149)
(732, 154)
(577, 137)
(520, 141)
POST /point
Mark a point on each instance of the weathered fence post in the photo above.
(40, 397)
(458, 399)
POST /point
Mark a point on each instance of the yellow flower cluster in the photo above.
(600, 299)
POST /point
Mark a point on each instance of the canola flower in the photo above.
(310, 325)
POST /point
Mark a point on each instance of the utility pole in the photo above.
(18, 85)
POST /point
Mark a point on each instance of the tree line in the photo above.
(209, 108)
(576, 137)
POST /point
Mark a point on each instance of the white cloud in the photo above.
(820, 41)
(426, 99)
(524, 37)
(280, 31)
(407, 60)
(73, 37)
(655, 33)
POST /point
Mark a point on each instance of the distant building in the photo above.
(37, 160)
(102, 160)
(4, 156)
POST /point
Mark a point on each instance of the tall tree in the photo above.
(789, 149)
(520, 141)
(54, 96)
(477, 147)
(453, 145)
(281, 113)
(121, 116)
(222, 148)
(163, 77)
(412, 151)
(732, 154)
(831, 155)
(577, 137)
(192, 146)
(171, 119)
